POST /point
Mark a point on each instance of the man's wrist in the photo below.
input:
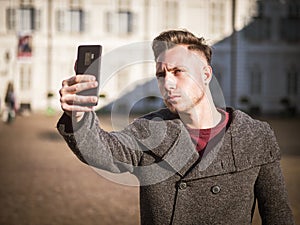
(78, 118)
(71, 122)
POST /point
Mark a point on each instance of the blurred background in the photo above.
(256, 47)
(256, 55)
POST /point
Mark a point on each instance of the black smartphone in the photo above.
(89, 62)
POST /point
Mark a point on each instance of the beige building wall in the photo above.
(112, 23)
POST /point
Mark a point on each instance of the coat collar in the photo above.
(245, 144)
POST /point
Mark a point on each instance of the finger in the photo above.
(73, 89)
(73, 99)
(82, 78)
(76, 108)
(78, 79)
(68, 81)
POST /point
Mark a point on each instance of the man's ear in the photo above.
(207, 75)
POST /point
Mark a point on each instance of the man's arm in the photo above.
(272, 196)
(98, 148)
(80, 128)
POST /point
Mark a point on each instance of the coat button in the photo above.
(182, 185)
(215, 189)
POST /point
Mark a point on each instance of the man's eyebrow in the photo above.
(170, 66)
(176, 67)
(161, 71)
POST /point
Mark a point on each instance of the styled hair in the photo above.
(169, 39)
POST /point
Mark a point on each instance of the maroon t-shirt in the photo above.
(201, 137)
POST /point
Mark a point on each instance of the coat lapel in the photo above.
(218, 160)
(182, 156)
(245, 144)
(184, 159)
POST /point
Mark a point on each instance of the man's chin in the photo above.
(170, 107)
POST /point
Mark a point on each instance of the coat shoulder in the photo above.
(157, 131)
(254, 141)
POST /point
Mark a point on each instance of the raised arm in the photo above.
(79, 126)
(115, 152)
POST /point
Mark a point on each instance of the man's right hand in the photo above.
(70, 101)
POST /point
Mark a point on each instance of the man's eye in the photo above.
(160, 74)
(178, 71)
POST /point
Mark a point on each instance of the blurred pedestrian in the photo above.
(196, 163)
(9, 112)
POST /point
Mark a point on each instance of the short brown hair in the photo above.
(168, 39)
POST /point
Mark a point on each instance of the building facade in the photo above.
(255, 49)
(262, 71)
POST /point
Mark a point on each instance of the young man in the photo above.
(196, 163)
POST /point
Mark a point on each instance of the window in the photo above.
(290, 29)
(10, 19)
(255, 82)
(260, 9)
(70, 21)
(25, 78)
(26, 21)
(294, 9)
(125, 22)
(120, 22)
(23, 19)
(290, 26)
(292, 83)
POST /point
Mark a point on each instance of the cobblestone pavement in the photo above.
(43, 183)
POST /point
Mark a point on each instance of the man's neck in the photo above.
(201, 117)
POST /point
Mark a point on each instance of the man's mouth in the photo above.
(172, 98)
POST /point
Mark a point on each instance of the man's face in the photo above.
(180, 73)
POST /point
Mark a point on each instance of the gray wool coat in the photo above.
(239, 168)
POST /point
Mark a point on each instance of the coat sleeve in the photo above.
(272, 196)
(112, 151)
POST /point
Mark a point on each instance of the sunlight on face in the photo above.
(180, 74)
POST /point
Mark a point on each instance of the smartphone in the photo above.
(89, 62)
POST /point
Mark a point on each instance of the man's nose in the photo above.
(170, 81)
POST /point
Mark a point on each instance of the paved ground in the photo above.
(43, 183)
